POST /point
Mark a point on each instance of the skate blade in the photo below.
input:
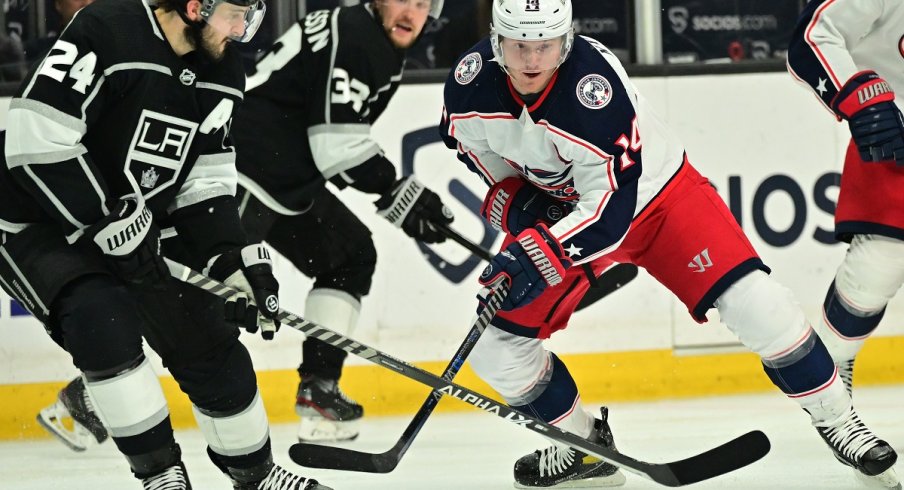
(52, 418)
(318, 429)
(616, 479)
(887, 479)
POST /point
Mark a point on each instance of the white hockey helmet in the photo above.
(531, 21)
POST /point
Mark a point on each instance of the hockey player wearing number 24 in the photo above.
(851, 55)
(119, 133)
(539, 113)
(309, 106)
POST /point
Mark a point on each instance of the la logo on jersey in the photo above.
(158, 150)
(532, 6)
(701, 261)
(468, 68)
(594, 91)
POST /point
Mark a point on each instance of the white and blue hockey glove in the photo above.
(415, 209)
(513, 205)
(533, 262)
(130, 242)
(250, 271)
(867, 102)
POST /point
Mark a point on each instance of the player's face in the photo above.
(531, 64)
(403, 20)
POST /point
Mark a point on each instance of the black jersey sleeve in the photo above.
(47, 120)
(343, 100)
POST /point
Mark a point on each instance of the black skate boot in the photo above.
(280, 479)
(846, 372)
(856, 446)
(172, 478)
(327, 414)
(73, 407)
(556, 467)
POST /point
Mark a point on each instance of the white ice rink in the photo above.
(474, 450)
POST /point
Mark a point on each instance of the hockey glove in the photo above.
(250, 271)
(130, 242)
(530, 264)
(866, 101)
(513, 205)
(415, 209)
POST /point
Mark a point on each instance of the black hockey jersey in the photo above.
(112, 110)
(311, 102)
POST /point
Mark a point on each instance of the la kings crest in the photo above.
(158, 150)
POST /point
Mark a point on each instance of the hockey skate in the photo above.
(172, 478)
(558, 467)
(856, 446)
(72, 420)
(280, 479)
(327, 414)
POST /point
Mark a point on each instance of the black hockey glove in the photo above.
(130, 242)
(250, 271)
(877, 126)
(513, 205)
(415, 209)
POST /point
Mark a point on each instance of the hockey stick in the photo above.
(336, 458)
(734, 454)
(600, 287)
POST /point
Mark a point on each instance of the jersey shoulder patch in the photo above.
(468, 68)
(594, 91)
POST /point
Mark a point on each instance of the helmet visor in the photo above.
(539, 55)
(237, 22)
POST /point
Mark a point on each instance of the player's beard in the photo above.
(202, 39)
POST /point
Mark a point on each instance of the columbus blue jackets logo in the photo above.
(468, 68)
(594, 91)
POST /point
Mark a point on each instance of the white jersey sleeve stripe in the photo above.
(814, 23)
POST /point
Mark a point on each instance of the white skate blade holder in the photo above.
(888, 479)
(56, 420)
(320, 429)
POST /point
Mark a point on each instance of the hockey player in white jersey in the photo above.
(306, 120)
(120, 132)
(540, 114)
(851, 55)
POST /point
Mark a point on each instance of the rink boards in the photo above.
(768, 146)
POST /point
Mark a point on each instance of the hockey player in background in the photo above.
(306, 120)
(852, 55)
(120, 132)
(540, 114)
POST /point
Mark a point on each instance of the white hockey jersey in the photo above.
(836, 39)
(590, 140)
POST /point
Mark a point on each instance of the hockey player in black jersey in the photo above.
(306, 120)
(118, 137)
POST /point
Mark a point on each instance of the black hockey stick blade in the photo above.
(732, 455)
(611, 280)
(334, 458)
(703, 466)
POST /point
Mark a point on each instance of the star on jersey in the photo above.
(573, 251)
(821, 87)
